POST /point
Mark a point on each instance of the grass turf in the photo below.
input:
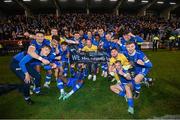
(95, 100)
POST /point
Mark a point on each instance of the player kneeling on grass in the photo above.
(141, 65)
(124, 88)
(76, 82)
(115, 56)
(21, 65)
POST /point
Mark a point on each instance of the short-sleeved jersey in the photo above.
(90, 49)
(23, 58)
(120, 57)
(137, 40)
(64, 54)
(136, 56)
(38, 46)
(115, 45)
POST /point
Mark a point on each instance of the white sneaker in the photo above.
(105, 74)
(62, 95)
(131, 110)
(102, 73)
(46, 85)
(94, 77)
(66, 96)
(90, 77)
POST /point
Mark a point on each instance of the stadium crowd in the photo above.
(13, 27)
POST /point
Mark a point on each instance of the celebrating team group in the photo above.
(127, 64)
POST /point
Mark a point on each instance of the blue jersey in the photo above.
(103, 37)
(135, 39)
(87, 37)
(107, 46)
(51, 57)
(115, 45)
(73, 81)
(18, 57)
(52, 54)
(138, 39)
(98, 43)
(23, 58)
(73, 39)
(64, 55)
(95, 42)
(38, 46)
(139, 55)
(81, 45)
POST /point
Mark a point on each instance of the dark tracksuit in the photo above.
(20, 64)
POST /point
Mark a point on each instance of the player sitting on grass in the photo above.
(75, 82)
(124, 88)
(140, 63)
(114, 57)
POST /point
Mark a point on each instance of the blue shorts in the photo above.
(123, 84)
(124, 80)
(57, 63)
(143, 71)
(71, 82)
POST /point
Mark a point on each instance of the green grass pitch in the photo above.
(95, 100)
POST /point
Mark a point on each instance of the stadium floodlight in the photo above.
(172, 3)
(7, 1)
(131, 0)
(26, 0)
(160, 2)
(79, 0)
(144, 1)
(97, 0)
(113, 0)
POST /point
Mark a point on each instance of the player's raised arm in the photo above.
(72, 42)
(29, 35)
